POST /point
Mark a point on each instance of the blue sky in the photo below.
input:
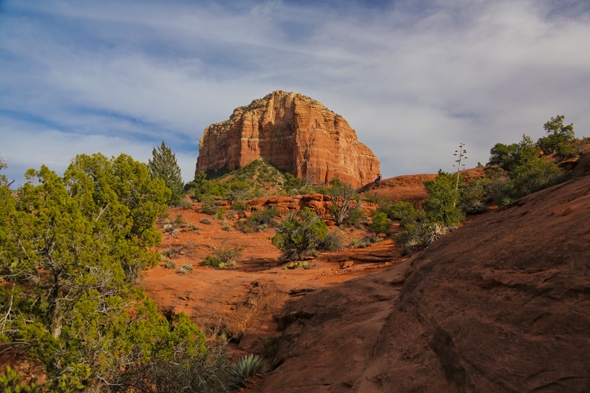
(414, 78)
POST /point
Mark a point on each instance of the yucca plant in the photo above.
(247, 367)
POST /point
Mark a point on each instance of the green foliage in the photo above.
(12, 382)
(474, 195)
(442, 201)
(239, 207)
(558, 139)
(205, 221)
(247, 367)
(82, 241)
(297, 186)
(419, 233)
(380, 223)
(509, 156)
(300, 234)
(261, 220)
(224, 257)
(397, 211)
(184, 269)
(295, 265)
(344, 199)
(356, 217)
(534, 175)
(333, 241)
(163, 166)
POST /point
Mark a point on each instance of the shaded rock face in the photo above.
(292, 132)
(499, 305)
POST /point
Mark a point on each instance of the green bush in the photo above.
(559, 138)
(224, 257)
(299, 234)
(380, 223)
(333, 241)
(260, 220)
(185, 269)
(397, 211)
(205, 221)
(356, 217)
(443, 199)
(473, 196)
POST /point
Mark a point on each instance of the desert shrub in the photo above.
(247, 367)
(299, 234)
(208, 206)
(509, 156)
(261, 220)
(185, 204)
(240, 207)
(181, 365)
(473, 196)
(356, 217)
(420, 234)
(534, 175)
(397, 211)
(295, 265)
(168, 264)
(219, 213)
(225, 226)
(187, 268)
(205, 221)
(365, 242)
(380, 223)
(224, 257)
(443, 199)
(333, 241)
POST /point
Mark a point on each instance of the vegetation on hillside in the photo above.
(71, 247)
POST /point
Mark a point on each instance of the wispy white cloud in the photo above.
(414, 78)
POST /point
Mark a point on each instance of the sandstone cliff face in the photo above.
(292, 132)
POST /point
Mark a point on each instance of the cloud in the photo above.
(414, 78)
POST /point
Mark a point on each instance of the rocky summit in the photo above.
(292, 132)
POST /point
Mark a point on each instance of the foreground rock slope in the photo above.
(292, 132)
(500, 305)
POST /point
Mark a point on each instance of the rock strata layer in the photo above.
(295, 134)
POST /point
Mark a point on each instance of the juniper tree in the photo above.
(70, 247)
(163, 166)
(558, 137)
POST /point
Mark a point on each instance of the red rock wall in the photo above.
(292, 132)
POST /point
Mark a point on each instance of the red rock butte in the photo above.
(292, 132)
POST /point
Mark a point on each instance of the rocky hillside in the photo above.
(499, 305)
(292, 132)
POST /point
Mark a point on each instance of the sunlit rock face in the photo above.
(292, 132)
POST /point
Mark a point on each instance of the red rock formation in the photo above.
(499, 305)
(292, 132)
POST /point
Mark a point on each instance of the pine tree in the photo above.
(163, 166)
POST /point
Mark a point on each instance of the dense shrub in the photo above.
(260, 220)
(443, 199)
(224, 257)
(380, 223)
(333, 241)
(299, 234)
